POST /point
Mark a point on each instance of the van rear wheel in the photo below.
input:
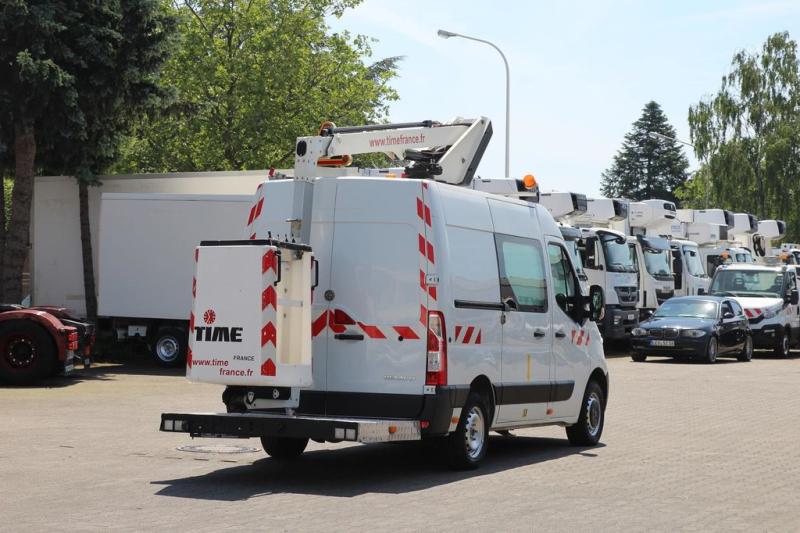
(284, 448)
(589, 427)
(467, 444)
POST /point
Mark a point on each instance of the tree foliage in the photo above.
(250, 77)
(647, 166)
(75, 74)
(748, 135)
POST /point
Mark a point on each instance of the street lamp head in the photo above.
(444, 34)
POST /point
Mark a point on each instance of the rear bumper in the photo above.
(260, 424)
(619, 321)
(434, 419)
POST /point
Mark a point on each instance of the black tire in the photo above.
(746, 354)
(782, 349)
(284, 448)
(466, 446)
(712, 351)
(27, 353)
(169, 347)
(639, 357)
(589, 427)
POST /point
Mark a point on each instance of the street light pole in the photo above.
(444, 34)
(662, 137)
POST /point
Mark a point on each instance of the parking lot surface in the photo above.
(686, 446)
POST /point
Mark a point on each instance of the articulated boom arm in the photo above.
(444, 152)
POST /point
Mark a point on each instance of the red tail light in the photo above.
(436, 371)
(72, 341)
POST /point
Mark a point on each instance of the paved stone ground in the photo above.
(686, 446)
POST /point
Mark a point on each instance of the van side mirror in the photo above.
(727, 315)
(701, 292)
(597, 304)
(793, 297)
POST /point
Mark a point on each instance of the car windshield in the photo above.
(657, 261)
(572, 246)
(757, 283)
(618, 255)
(693, 263)
(687, 308)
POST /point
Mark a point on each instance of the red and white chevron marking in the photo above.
(269, 309)
(753, 312)
(326, 321)
(580, 337)
(427, 254)
(468, 335)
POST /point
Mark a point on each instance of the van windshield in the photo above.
(618, 255)
(657, 262)
(572, 247)
(757, 283)
(693, 263)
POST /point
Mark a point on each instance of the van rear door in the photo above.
(375, 363)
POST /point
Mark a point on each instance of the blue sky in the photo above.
(581, 71)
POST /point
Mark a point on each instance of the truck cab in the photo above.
(688, 270)
(656, 281)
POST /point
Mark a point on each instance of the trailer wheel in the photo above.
(169, 347)
(284, 448)
(27, 352)
(467, 444)
(589, 427)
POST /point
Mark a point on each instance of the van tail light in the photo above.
(436, 371)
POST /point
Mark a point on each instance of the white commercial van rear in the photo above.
(436, 311)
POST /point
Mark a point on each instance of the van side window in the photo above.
(522, 275)
(564, 281)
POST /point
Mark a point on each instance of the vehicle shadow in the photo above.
(101, 372)
(357, 470)
(722, 360)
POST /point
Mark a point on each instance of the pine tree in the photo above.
(647, 166)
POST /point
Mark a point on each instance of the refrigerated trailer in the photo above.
(145, 257)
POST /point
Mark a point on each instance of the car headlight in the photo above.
(639, 332)
(769, 313)
(694, 333)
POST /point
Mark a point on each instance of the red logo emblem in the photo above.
(209, 316)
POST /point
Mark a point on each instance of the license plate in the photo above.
(659, 342)
(631, 316)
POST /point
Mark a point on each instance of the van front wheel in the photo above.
(589, 427)
(467, 444)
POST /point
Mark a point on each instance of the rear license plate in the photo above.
(659, 342)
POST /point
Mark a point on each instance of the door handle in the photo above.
(538, 333)
(349, 336)
(560, 334)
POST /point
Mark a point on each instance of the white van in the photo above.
(438, 312)
(769, 297)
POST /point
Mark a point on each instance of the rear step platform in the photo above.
(247, 425)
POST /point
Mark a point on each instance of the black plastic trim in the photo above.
(469, 304)
(259, 242)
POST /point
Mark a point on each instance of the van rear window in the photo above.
(522, 274)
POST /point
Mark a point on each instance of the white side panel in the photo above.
(464, 208)
(146, 249)
(56, 263)
(511, 218)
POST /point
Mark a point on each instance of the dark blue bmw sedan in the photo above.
(702, 327)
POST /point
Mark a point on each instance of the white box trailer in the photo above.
(146, 256)
(56, 263)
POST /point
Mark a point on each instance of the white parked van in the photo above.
(438, 312)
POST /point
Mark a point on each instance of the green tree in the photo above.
(79, 72)
(252, 76)
(647, 166)
(748, 134)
